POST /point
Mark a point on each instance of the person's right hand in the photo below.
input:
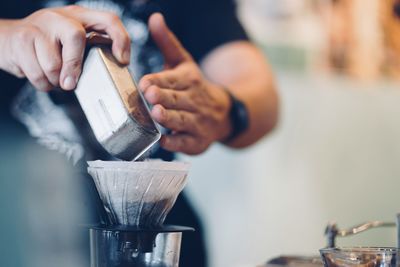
(47, 47)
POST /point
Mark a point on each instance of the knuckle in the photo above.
(165, 117)
(53, 67)
(174, 99)
(39, 13)
(77, 34)
(46, 87)
(182, 119)
(146, 78)
(195, 80)
(162, 115)
(171, 81)
(73, 63)
(49, 15)
(112, 18)
(37, 78)
(154, 78)
(73, 8)
(155, 94)
(18, 72)
(144, 83)
(150, 79)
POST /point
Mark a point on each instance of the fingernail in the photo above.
(69, 83)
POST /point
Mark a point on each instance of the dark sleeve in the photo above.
(202, 25)
(12, 9)
(9, 85)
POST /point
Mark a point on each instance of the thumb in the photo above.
(170, 47)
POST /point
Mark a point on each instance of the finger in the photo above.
(184, 143)
(73, 39)
(31, 68)
(172, 78)
(48, 53)
(108, 23)
(170, 47)
(169, 99)
(179, 121)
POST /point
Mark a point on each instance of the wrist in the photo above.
(238, 118)
(225, 128)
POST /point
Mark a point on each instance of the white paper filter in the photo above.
(138, 193)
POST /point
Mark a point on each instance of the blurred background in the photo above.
(335, 155)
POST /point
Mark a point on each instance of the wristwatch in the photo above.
(238, 116)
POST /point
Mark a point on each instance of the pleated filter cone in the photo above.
(138, 193)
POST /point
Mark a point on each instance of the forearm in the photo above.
(242, 69)
(261, 100)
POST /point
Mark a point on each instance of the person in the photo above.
(205, 80)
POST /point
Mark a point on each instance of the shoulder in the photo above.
(203, 25)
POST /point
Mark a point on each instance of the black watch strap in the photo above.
(238, 116)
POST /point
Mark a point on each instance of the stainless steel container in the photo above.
(114, 106)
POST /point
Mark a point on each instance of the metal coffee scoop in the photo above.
(332, 231)
(114, 106)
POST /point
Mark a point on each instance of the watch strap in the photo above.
(238, 116)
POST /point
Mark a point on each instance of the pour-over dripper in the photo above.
(137, 197)
(138, 194)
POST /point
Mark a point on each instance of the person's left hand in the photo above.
(194, 109)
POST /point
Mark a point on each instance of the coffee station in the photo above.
(322, 190)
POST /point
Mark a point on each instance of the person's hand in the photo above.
(194, 109)
(47, 47)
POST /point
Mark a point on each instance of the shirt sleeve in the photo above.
(202, 25)
(17, 8)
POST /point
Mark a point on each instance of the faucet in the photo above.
(332, 230)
